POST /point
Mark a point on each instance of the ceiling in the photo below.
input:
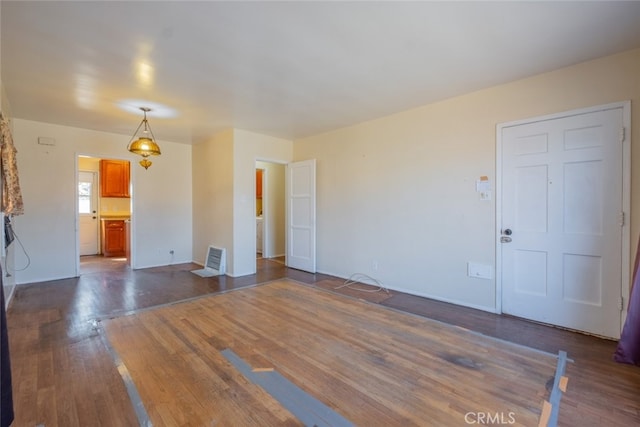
(286, 69)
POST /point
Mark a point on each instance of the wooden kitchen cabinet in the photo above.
(258, 183)
(114, 178)
(114, 238)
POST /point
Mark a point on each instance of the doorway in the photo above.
(101, 215)
(563, 243)
(270, 210)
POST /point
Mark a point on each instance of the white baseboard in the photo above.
(426, 295)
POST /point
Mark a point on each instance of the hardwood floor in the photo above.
(64, 375)
(405, 370)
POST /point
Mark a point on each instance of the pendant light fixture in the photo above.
(145, 144)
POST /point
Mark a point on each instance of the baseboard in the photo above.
(447, 300)
(426, 295)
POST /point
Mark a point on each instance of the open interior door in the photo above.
(300, 190)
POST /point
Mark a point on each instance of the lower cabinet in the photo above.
(114, 238)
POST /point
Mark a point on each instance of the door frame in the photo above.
(626, 192)
(132, 235)
(267, 232)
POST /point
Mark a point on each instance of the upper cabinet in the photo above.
(114, 178)
(258, 183)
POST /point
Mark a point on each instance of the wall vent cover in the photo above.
(214, 263)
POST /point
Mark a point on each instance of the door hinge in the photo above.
(621, 303)
(622, 219)
(623, 134)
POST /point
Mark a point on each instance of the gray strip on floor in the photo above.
(556, 393)
(305, 407)
(134, 396)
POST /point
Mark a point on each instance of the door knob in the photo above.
(507, 232)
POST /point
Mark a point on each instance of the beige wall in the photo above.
(224, 194)
(250, 147)
(161, 217)
(213, 196)
(399, 192)
(91, 164)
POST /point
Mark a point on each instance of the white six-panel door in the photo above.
(561, 221)
(300, 187)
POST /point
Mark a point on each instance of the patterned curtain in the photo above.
(11, 193)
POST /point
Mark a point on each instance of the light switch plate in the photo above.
(485, 195)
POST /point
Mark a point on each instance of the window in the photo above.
(84, 197)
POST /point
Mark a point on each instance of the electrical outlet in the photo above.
(479, 271)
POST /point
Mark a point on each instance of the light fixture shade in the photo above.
(145, 144)
(145, 163)
(145, 147)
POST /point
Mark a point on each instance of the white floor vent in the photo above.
(214, 263)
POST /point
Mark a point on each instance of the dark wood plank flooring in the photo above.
(63, 375)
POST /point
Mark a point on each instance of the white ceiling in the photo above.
(287, 69)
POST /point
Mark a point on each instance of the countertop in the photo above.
(113, 216)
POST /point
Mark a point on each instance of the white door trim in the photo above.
(132, 183)
(268, 231)
(626, 192)
(265, 214)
